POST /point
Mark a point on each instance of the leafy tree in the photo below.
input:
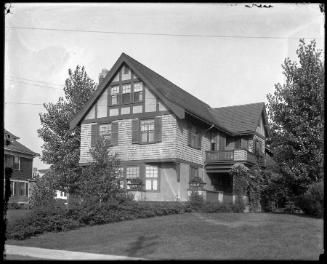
(100, 181)
(295, 111)
(61, 145)
(43, 191)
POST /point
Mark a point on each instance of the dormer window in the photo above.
(138, 92)
(114, 95)
(126, 93)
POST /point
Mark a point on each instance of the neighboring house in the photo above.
(20, 159)
(166, 136)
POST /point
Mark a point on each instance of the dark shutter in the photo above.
(142, 174)
(158, 129)
(114, 133)
(237, 143)
(135, 131)
(199, 136)
(119, 98)
(189, 135)
(94, 134)
(222, 142)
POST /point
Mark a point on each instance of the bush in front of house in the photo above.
(58, 218)
(312, 201)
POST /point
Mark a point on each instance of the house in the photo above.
(20, 159)
(166, 136)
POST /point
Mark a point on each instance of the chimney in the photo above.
(102, 75)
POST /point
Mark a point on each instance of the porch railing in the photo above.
(219, 155)
(234, 155)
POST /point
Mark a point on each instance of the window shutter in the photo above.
(199, 136)
(94, 134)
(222, 142)
(189, 135)
(142, 174)
(135, 131)
(158, 129)
(114, 133)
(119, 98)
(237, 143)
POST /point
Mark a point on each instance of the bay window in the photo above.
(138, 92)
(114, 95)
(126, 93)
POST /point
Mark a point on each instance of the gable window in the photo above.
(147, 131)
(131, 173)
(105, 131)
(126, 70)
(114, 95)
(126, 93)
(151, 178)
(138, 92)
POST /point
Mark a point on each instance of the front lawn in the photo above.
(196, 236)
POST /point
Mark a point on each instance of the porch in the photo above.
(223, 160)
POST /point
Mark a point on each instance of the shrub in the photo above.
(312, 201)
(196, 200)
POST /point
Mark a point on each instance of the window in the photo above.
(16, 163)
(151, 178)
(131, 173)
(9, 161)
(125, 110)
(194, 172)
(195, 138)
(147, 131)
(105, 131)
(126, 93)
(114, 95)
(20, 188)
(12, 188)
(138, 92)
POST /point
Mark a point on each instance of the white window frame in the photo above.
(152, 176)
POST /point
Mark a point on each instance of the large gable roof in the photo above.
(178, 100)
(233, 120)
(241, 119)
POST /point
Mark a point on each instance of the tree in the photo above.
(295, 113)
(100, 181)
(43, 191)
(61, 145)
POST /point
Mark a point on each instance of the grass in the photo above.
(196, 236)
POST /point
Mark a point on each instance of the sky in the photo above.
(234, 56)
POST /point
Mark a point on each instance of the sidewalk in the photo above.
(59, 254)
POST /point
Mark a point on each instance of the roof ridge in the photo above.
(129, 57)
(238, 105)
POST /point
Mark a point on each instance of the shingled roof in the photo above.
(231, 120)
(178, 100)
(240, 119)
(15, 146)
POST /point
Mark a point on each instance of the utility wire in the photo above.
(30, 80)
(154, 34)
(37, 84)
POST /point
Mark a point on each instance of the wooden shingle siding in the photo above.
(127, 151)
(187, 153)
(86, 133)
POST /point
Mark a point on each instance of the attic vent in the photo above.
(102, 75)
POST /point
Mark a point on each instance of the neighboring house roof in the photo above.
(10, 134)
(241, 119)
(232, 120)
(15, 146)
